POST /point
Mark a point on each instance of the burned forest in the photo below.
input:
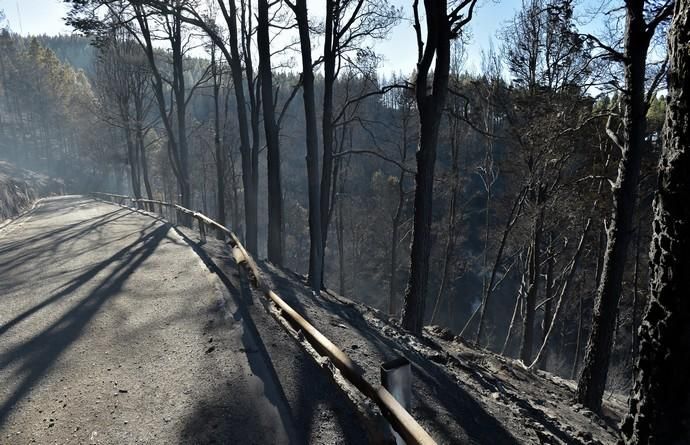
(495, 191)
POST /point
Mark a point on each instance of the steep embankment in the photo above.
(19, 189)
(461, 394)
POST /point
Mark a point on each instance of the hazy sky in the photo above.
(399, 52)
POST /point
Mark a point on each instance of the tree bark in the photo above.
(533, 274)
(132, 159)
(144, 162)
(220, 153)
(452, 217)
(253, 92)
(329, 56)
(548, 305)
(660, 403)
(181, 114)
(340, 233)
(578, 341)
(592, 380)
(250, 193)
(275, 192)
(430, 106)
(315, 235)
(395, 236)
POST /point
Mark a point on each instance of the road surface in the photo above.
(113, 331)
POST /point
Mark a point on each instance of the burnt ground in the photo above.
(461, 394)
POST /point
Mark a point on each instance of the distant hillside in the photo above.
(72, 50)
(19, 188)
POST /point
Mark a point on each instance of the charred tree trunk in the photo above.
(157, 85)
(516, 308)
(144, 163)
(533, 275)
(592, 380)
(633, 309)
(395, 236)
(329, 56)
(275, 193)
(452, 217)
(220, 153)
(340, 231)
(578, 341)
(430, 106)
(548, 304)
(139, 114)
(132, 160)
(315, 234)
(660, 403)
(181, 114)
(250, 193)
(253, 92)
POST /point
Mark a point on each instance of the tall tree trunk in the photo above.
(340, 231)
(132, 159)
(327, 119)
(141, 143)
(660, 403)
(548, 304)
(592, 380)
(184, 183)
(516, 308)
(430, 106)
(250, 192)
(275, 192)
(635, 296)
(578, 341)
(395, 236)
(253, 88)
(315, 234)
(144, 163)
(157, 85)
(452, 216)
(397, 218)
(533, 274)
(220, 153)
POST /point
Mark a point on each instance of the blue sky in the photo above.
(399, 52)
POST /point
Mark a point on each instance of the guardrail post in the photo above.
(396, 377)
(160, 207)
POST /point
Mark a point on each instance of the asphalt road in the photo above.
(113, 331)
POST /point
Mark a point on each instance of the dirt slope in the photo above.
(19, 189)
(461, 395)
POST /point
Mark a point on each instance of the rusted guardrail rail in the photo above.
(399, 418)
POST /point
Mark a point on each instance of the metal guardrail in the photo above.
(400, 419)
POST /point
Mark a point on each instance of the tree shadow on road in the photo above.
(72, 285)
(35, 357)
(29, 250)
